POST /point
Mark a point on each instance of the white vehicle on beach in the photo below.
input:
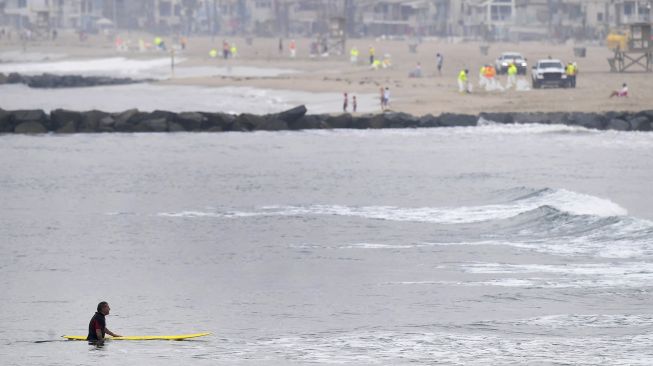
(549, 72)
(501, 64)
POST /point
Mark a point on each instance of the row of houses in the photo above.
(487, 19)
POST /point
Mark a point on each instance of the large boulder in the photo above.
(379, 121)
(640, 123)
(30, 128)
(42, 81)
(339, 121)
(293, 114)
(504, 118)
(217, 121)
(158, 114)
(361, 122)
(457, 120)
(106, 124)
(14, 78)
(175, 127)
(6, 122)
(247, 122)
(618, 124)
(271, 123)
(191, 121)
(125, 121)
(530, 118)
(30, 115)
(428, 120)
(152, 125)
(308, 122)
(400, 120)
(588, 120)
(61, 118)
(91, 120)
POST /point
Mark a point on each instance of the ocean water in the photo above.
(490, 245)
(153, 96)
(177, 98)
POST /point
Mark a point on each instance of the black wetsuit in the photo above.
(97, 322)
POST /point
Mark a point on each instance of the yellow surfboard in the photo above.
(179, 337)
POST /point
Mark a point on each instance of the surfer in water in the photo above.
(97, 327)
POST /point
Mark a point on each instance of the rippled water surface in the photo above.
(493, 245)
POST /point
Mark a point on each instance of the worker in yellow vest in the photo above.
(570, 70)
(353, 55)
(463, 81)
(512, 75)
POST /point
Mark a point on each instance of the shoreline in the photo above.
(62, 121)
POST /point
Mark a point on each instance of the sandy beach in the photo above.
(429, 94)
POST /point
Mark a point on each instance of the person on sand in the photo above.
(620, 93)
(97, 327)
(293, 48)
(417, 72)
(463, 81)
(439, 60)
(345, 103)
(354, 104)
(385, 101)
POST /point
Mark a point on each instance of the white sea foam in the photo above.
(563, 200)
(156, 68)
(115, 66)
(569, 321)
(428, 346)
(21, 56)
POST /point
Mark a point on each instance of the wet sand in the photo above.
(430, 94)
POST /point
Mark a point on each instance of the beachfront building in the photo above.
(632, 11)
(471, 19)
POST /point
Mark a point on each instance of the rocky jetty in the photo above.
(64, 81)
(66, 121)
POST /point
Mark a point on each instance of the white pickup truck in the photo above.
(549, 73)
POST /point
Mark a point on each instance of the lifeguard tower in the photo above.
(638, 52)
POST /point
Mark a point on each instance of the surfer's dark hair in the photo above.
(101, 305)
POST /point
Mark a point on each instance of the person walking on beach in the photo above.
(371, 53)
(280, 46)
(354, 104)
(438, 61)
(97, 327)
(293, 48)
(345, 103)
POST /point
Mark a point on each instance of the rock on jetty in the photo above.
(133, 120)
(64, 81)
